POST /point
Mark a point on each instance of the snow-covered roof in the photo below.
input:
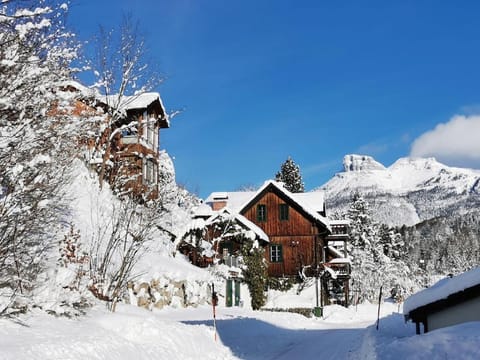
(202, 210)
(336, 252)
(340, 260)
(299, 199)
(234, 199)
(256, 229)
(140, 101)
(314, 200)
(310, 202)
(442, 290)
(82, 89)
(195, 224)
(339, 222)
(242, 220)
(219, 195)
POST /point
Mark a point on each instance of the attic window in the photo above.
(283, 211)
(261, 212)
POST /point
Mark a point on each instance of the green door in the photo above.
(228, 297)
(237, 293)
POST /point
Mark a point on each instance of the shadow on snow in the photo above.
(250, 338)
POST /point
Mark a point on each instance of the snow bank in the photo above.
(130, 333)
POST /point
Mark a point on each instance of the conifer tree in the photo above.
(290, 175)
(376, 252)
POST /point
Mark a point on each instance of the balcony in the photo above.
(339, 230)
(129, 139)
(341, 267)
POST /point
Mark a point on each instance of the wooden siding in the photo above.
(296, 235)
(297, 251)
(296, 225)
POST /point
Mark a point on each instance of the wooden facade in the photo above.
(135, 153)
(293, 233)
(133, 140)
(299, 240)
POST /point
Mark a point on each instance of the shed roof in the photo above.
(443, 289)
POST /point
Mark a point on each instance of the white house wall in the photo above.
(464, 312)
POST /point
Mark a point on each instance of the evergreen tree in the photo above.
(290, 175)
(376, 251)
(255, 273)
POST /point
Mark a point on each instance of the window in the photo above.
(149, 131)
(261, 212)
(151, 134)
(276, 253)
(150, 172)
(283, 211)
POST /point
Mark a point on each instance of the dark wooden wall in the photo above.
(296, 235)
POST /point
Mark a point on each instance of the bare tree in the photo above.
(35, 53)
(124, 72)
(118, 243)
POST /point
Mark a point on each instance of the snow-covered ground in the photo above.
(134, 333)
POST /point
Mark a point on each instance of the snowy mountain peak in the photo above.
(355, 162)
(417, 163)
(407, 192)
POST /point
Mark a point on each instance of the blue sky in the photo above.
(315, 80)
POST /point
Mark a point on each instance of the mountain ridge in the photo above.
(409, 191)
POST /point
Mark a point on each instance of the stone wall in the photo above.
(159, 293)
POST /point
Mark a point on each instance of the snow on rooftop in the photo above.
(235, 199)
(84, 90)
(140, 101)
(306, 201)
(442, 289)
(202, 210)
(336, 252)
(242, 220)
(256, 229)
(339, 222)
(220, 195)
(340, 260)
(314, 200)
(311, 202)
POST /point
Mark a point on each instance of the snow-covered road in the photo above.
(342, 334)
(134, 333)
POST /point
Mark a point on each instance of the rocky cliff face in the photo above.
(409, 191)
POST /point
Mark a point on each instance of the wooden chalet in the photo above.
(223, 226)
(299, 239)
(135, 146)
(133, 151)
(450, 301)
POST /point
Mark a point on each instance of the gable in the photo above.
(274, 195)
